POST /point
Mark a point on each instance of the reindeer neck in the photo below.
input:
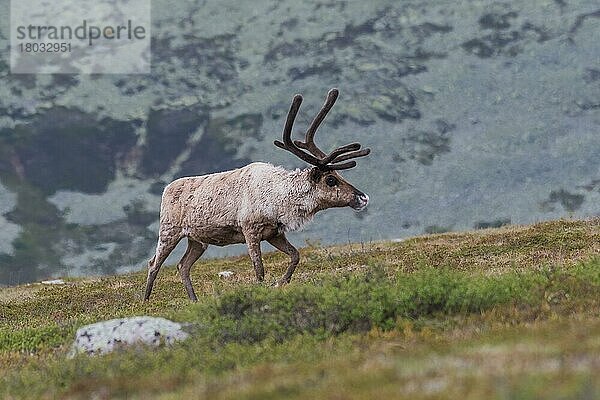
(299, 205)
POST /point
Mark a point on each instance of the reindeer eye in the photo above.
(331, 181)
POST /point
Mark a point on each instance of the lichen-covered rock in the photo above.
(104, 337)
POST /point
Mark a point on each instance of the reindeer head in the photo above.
(330, 189)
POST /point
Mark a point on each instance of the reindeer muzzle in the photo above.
(360, 201)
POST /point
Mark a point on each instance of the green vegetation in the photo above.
(500, 313)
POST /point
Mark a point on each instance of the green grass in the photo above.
(501, 313)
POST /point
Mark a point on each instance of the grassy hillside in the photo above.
(502, 313)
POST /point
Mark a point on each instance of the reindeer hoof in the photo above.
(280, 283)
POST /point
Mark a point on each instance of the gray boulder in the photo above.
(104, 337)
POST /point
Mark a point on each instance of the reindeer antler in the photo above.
(309, 141)
(317, 157)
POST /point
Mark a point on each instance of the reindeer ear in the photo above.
(315, 174)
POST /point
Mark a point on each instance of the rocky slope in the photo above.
(479, 113)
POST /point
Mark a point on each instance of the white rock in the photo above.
(225, 274)
(104, 337)
(53, 282)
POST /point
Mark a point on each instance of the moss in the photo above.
(31, 340)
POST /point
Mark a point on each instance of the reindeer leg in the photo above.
(281, 243)
(167, 241)
(192, 254)
(253, 243)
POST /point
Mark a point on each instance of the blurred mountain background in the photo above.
(479, 114)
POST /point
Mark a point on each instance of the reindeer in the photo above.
(256, 202)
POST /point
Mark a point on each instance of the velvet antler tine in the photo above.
(309, 141)
(325, 162)
(287, 143)
(339, 151)
(332, 96)
(289, 122)
(346, 165)
(354, 154)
